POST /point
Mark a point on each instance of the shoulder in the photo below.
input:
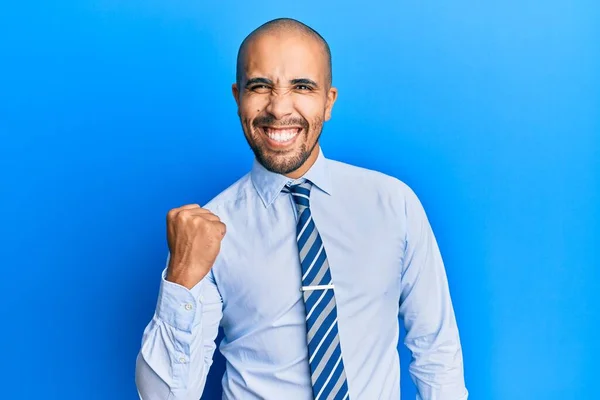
(371, 181)
(236, 192)
(390, 198)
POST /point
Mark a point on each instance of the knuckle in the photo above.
(196, 221)
(202, 226)
(183, 215)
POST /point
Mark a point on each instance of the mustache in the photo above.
(272, 121)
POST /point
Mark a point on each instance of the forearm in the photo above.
(178, 344)
(437, 364)
(170, 363)
(433, 337)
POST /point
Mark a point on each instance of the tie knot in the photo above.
(300, 192)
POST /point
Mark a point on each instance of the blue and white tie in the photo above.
(324, 352)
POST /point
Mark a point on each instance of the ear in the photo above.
(236, 93)
(331, 98)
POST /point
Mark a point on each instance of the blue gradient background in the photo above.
(113, 112)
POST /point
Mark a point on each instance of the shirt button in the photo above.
(182, 359)
(188, 306)
(201, 298)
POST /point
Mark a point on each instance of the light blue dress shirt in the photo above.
(384, 262)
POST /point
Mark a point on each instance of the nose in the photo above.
(280, 105)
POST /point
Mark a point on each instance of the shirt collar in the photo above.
(269, 184)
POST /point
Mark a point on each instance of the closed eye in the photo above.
(304, 84)
(260, 88)
(258, 84)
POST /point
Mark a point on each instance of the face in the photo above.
(283, 99)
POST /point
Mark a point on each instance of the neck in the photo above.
(307, 164)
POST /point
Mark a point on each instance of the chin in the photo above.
(281, 162)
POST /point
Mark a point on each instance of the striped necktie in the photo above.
(325, 356)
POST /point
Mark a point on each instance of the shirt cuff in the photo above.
(177, 305)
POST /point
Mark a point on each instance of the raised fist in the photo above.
(194, 236)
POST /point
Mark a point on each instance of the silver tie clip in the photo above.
(317, 287)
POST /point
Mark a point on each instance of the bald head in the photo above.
(283, 26)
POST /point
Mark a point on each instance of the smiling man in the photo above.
(305, 262)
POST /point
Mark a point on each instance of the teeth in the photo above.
(281, 135)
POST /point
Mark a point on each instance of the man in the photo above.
(305, 262)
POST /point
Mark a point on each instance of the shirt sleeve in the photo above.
(426, 309)
(179, 342)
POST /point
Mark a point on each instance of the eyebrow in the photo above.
(254, 81)
(299, 81)
(304, 81)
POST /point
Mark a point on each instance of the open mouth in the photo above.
(279, 137)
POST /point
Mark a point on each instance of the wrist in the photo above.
(185, 276)
(182, 280)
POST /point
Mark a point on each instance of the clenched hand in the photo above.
(194, 236)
